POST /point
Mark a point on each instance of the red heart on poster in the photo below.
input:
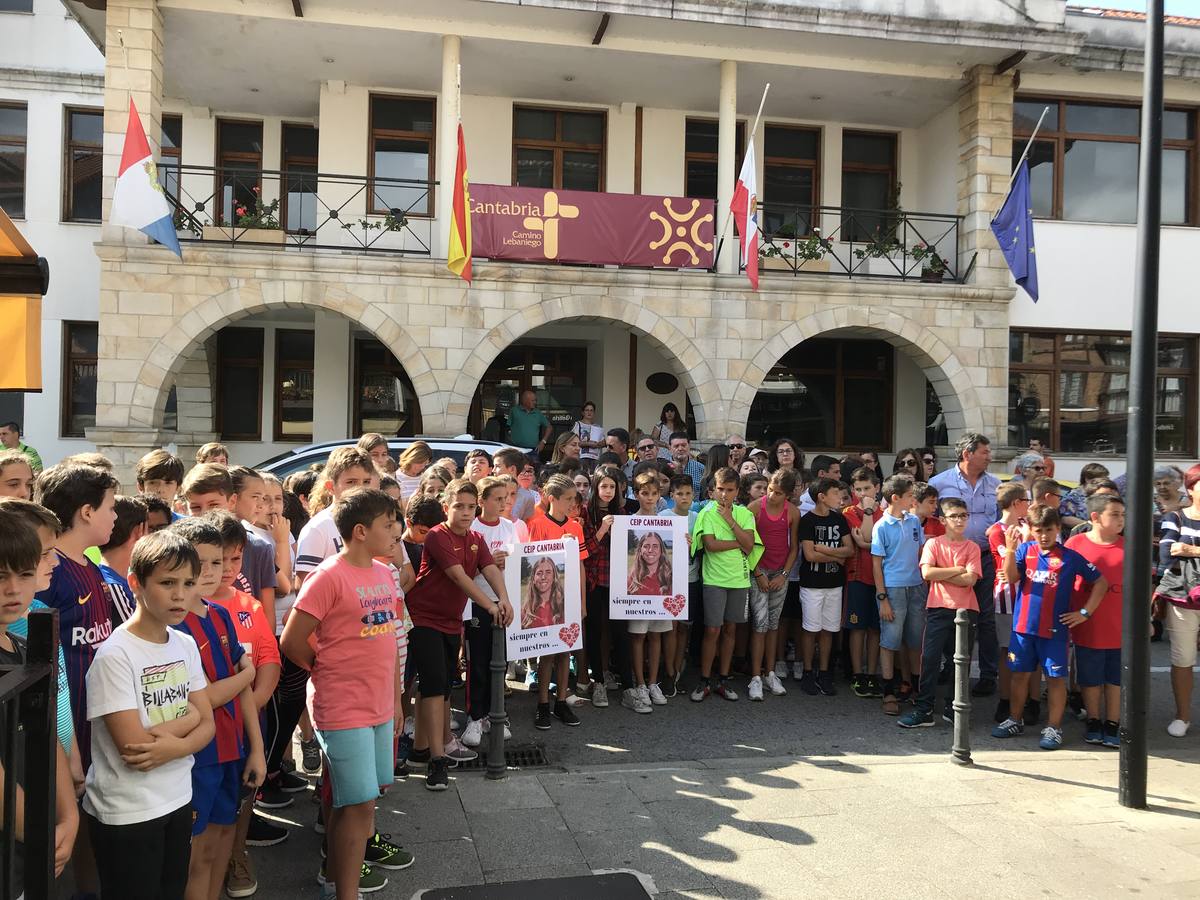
(569, 634)
(674, 605)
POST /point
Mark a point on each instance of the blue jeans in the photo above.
(908, 618)
(989, 645)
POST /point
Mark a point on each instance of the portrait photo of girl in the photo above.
(543, 598)
(649, 565)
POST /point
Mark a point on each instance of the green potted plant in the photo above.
(788, 251)
(252, 224)
(878, 255)
(395, 220)
(933, 266)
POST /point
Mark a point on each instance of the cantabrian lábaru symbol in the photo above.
(679, 230)
(547, 223)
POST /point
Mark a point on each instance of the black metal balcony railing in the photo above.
(28, 713)
(840, 241)
(300, 209)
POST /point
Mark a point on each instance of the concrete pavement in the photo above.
(795, 795)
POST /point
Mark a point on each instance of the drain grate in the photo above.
(516, 756)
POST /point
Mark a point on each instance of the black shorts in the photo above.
(696, 603)
(433, 655)
(791, 602)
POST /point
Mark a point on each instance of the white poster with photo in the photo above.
(648, 574)
(542, 581)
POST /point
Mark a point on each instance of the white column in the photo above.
(331, 377)
(447, 141)
(727, 161)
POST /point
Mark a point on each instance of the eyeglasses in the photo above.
(737, 446)
(1036, 468)
(929, 460)
(647, 446)
(908, 464)
(957, 516)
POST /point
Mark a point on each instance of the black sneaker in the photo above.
(1002, 711)
(984, 687)
(948, 712)
(861, 686)
(290, 783)
(564, 713)
(669, 685)
(437, 778)
(264, 834)
(1075, 704)
(808, 684)
(418, 759)
(272, 796)
(402, 771)
(541, 720)
(825, 684)
(311, 756)
(875, 686)
(287, 766)
(1033, 712)
(1093, 732)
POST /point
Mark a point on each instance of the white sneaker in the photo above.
(774, 685)
(754, 690)
(797, 670)
(574, 699)
(1178, 728)
(409, 725)
(611, 682)
(631, 698)
(644, 695)
(781, 669)
(599, 695)
(472, 735)
(656, 695)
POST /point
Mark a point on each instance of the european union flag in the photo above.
(1013, 227)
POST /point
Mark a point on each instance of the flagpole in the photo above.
(1024, 154)
(753, 131)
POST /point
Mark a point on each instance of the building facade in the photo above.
(310, 153)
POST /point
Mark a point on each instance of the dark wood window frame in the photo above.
(285, 161)
(558, 145)
(282, 363)
(223, 364)
(69, 146)
(69, 361)
(796, 162)
(1191, 378)
(893, 169)
(22, 141)
(1059, 136)
(253, 161)
(697, 156)
(172, 157)
(373, 133)
(411, 426)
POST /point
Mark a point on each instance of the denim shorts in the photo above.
(359, 761)
(908, 625)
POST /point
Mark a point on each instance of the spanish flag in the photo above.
(458, 254)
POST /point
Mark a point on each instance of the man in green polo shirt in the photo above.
(10, 438)
(527, 427)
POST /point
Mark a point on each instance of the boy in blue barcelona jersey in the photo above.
(1044, 573)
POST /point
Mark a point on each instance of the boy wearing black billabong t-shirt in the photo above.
(827, 545)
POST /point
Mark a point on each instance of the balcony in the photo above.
(299, 210)
(853, 243)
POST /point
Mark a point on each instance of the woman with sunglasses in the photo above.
(1029, 467)
(908, 462)
(928, 462)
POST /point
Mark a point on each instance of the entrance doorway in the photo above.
(384, 399)
(556, 374)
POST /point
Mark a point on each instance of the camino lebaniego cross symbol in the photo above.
(552, 213)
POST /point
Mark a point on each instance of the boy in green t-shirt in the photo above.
(731, 548)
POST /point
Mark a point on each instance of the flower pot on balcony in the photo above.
(933, 276)
(813, 265)
(882, 265)
(228, 233)
(776, 263)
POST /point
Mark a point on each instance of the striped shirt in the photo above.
(318, 542)
(1176, 527)
(216, 639)
(66, 728)
(1047, 580)
(85, 620)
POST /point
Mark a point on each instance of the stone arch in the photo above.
(160, 367)
(947, 374)
(688, 363)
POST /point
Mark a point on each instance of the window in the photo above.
(13, 134)
(384, 399)
(790, 180)
(299, 165)
(239, 384)
(700, 141)
(401, 163)
(84, 165)
(1084, 164)
(561, 149)
(828, 394)
(80, 340)
(25, 6)
(239, 168)
(868, 183)
(170, 144)
(293, 385)
(1072, 391)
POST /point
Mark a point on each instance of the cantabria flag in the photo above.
(138, 199)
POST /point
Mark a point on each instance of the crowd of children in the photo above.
(208, 617)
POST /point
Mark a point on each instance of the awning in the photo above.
(24, 279)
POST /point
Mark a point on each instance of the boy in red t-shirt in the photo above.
(453, 555)
(951, 565)
(342, 630)
(559, 496)
(1012, 498)
(862, 611)
(1098, 639)
(257, 638)
(925, 508)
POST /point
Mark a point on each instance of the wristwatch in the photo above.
(1085, 613)
(882, 596)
